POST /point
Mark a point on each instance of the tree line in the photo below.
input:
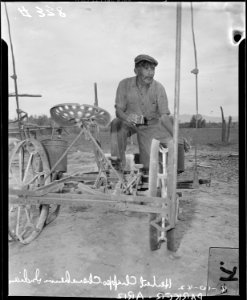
(44, 120)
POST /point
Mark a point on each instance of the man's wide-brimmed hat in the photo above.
(144, 57)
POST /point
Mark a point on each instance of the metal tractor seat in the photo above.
(70, 114)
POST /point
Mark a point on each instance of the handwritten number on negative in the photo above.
(40, 12)
(24, 12)
(49, 11)
(61, 14)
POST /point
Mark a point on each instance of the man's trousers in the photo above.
(120, 131)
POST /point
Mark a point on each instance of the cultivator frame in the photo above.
(124, 191)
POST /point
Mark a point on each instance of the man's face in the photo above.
(145, 72)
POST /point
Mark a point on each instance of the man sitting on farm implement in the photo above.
(141, 107)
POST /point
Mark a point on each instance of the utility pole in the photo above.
(176, 114)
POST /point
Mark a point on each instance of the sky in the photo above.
(63, 48)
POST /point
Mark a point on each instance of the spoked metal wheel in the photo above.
(28, 166)
(157, 187)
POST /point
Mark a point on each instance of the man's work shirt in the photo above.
(151, 104)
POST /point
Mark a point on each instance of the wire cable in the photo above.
(195, 71)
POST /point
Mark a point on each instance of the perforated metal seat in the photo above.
(70, 114)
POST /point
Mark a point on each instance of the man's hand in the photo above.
(132, 119)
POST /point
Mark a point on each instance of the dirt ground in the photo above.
(94, 246)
